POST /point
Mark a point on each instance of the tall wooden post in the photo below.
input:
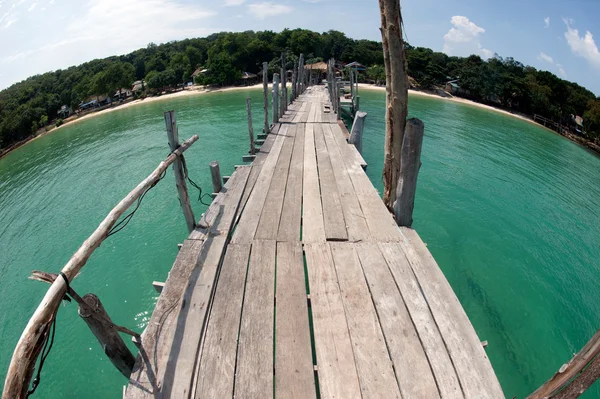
(409, 170)
(357, 130)
(266, 96)
(250, 129)
(275, 98)
(396, 94)
(294, 77)
(330, 81)
(351, 84)
(300, 74)
(215, 174)
(283, 77)
(184, 198)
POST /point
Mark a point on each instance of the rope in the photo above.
(45, 352)
(187, 177)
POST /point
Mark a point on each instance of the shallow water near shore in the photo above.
(509, 210)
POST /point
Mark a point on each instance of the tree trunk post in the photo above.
(215, 173)
(396, 94)
(184, 198)
(300, 74)
(106, 333)
(283, 77)
(275, 98)
(409, 170)
(266, 96)
(357, 130)
(294, 77)
(575, 377)
(351, 84)
(250, 129)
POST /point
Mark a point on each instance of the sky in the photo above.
(559, 36)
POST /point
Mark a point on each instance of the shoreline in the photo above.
(183, 93)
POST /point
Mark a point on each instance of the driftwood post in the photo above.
(294, 76)
(575, 377)
(351, 84)
(396, 88)
(250, 129)
(184, 198)
(300, 74)
(357, 130)
(266, 96)
(217, 180)
(409, 170)
(330, 81)
(28, 348)
(275, 98)
(282, 77)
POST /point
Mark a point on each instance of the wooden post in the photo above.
(250, 129)
(184, 198)
(396, 95)
(575, 377)
(300, 74)
(106, 333)
(215, 173)
(330, 81)
(351, 84)
(409, 170)
(266, 96)
(294, 77)
(275, 98)
(357, 104)
(282, 77)
(357, 130)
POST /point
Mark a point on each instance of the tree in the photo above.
(591, 119)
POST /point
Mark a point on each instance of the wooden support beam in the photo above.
(283, 77)
(215, 173)
(294, 77)
(396, 95)
(248, 158)
(266, 96)
(275, 98)
(356, 104)
(261, 136)
(250, 129)
(300, 89)
(575, 377)
(158, 286)
(184, 198)
(409, 170)
(357, 130)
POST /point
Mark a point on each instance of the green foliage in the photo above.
(58, 122)
(591, 118)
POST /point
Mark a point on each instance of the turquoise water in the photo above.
(509, 210)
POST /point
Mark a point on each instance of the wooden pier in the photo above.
(297, 282)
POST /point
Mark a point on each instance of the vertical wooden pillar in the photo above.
(351, 83)
(357, 130)
(357, 104)
(396, 95)
(184, 198)
(266, 96)
(294, 76)
(409, 170)
(105, 331)
(250, 129)
(275, 98)
(217, 180)
(301, 74)
(283, 77)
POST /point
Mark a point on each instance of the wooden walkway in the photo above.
(297, 283)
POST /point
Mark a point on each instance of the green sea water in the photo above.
(509, 210)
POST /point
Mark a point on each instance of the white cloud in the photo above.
(545, 57)
(546, 22)
(561, 70)
(463, 38)
(32, 7)
(268, 9)
(584, 46)
(228, 3)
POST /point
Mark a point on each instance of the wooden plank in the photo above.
(177, 376)
(294, 373)
(271, 212)
(291, 215)
(431, 339)
(348, 150)
(413, 372)
(472, 365)
(353, 215)
(248, 222)
(312, 112)
(313, 229)
(374, 366)
(254, 376)
(333, 217)
(215, 373)
(335, 360)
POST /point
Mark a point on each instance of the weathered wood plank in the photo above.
(430, 336)
(271, 211)
(254, 377)
(335, 360)
(294, 375)
(374, 366)
(353, 215)
(313, 229)
(413, 372)
(333, 217)
(251, 216)
(348, 150)
(472, 365)
(291, 214)
(215, 374)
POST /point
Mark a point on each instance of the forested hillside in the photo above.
(30, 104)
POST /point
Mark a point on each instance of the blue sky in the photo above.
(558, 36)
